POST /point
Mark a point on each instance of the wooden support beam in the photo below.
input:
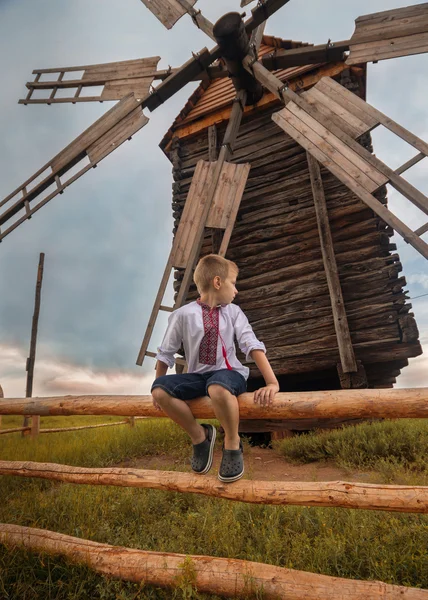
(227, 577)
(423, 229)
(212, 143)
(352, 404)
(308, 55)
(395, 498)
(344, 342)
(35, 422)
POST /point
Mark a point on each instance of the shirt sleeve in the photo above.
(172, 340)
(245, 336)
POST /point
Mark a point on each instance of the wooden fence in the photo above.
(227, 577)
(36, 431)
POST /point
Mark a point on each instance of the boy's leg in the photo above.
(180, 413)
(170, 393)
(226, 410)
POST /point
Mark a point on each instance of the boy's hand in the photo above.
(155, 404)
(265, 395)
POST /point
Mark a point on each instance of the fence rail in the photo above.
(129, 421)
(379, 403)
(228, 577)
(396, 498)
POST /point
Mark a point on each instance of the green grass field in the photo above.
(357, 544)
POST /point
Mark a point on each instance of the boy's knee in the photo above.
(218, 392)
(160, 395)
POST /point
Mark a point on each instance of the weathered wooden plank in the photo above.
(336, 150)
(167, 11)
(385, 15)
(118, 134)
(224, 206)
(407, 50)
(344, 342)
(400, 28)
(347, 121)
(115, 90)
(345, 100)
(377, 115)
(93, 133)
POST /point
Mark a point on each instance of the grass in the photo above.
(397, 450)
(354, 544)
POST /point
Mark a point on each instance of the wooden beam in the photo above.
(308, 55)
(344, 342)
(396, 498)
(352, 404)
(226, 577)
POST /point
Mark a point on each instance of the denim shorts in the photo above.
(188, 386)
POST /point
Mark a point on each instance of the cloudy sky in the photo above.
(107, 238)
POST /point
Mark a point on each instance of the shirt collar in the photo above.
(207, 306)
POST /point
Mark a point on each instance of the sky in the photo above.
(107, 238)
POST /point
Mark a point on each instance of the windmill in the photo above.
(326, 120)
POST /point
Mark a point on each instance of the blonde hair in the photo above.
(211, 266)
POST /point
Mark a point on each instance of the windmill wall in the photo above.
(282, 284)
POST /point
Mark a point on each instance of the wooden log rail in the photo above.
(368, 403)
(62, 429)
(227, 577)
(395, 498)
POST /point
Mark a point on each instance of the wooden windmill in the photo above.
(302, 183)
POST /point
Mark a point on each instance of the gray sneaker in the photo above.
(202, 458)
(232, 465)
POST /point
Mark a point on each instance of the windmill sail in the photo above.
(118, 79)
(86, 151)
(390, 34)
(326, 120)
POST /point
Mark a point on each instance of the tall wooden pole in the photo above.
(35, 425)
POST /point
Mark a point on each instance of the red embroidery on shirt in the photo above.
(208, 347)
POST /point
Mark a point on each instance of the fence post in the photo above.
(35, 421)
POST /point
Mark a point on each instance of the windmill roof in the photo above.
(212, 96)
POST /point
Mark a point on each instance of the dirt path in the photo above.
(262, 464)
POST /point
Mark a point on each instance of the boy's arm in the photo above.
(170, 344)
(265, 395)
(161, 368)
(255, 350)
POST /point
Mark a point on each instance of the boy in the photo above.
(207, 328)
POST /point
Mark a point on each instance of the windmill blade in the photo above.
(390, 34)
(94, 144)
(86, 151)
(118, 79)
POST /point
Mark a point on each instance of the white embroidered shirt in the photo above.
(185, 325)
